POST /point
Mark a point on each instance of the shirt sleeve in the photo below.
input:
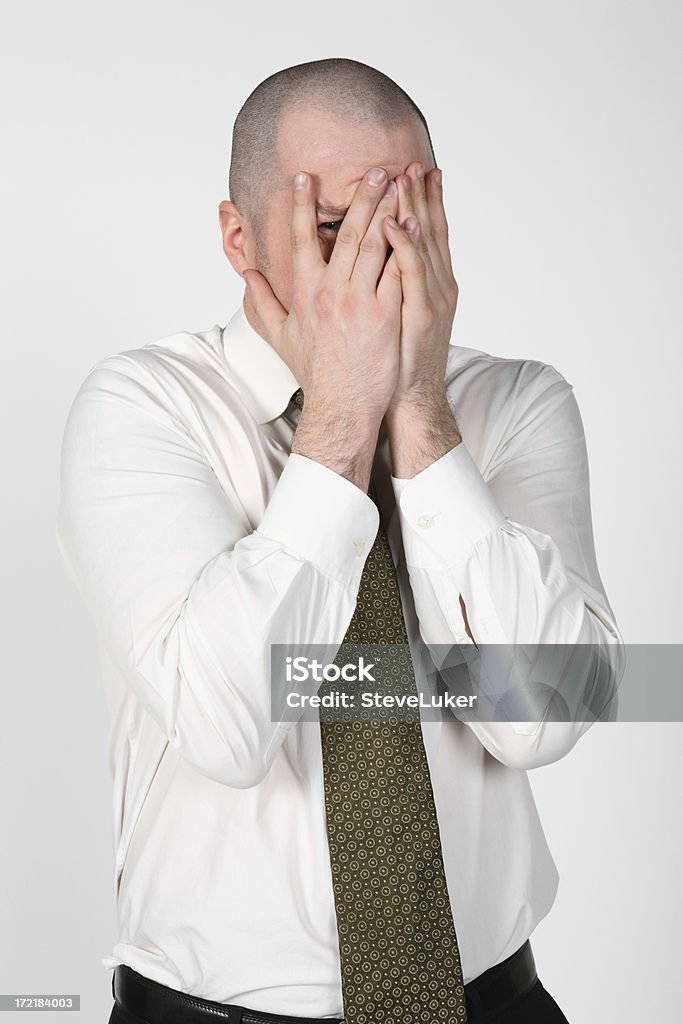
(187, 597)
(518, 548)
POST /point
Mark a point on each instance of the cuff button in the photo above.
(424, 522)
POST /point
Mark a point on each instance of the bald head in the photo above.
(354, 93)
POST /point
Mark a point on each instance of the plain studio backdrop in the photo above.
(557, 126)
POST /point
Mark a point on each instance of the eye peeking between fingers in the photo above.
(331, 227)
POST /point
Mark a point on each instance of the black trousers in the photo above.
(536, 1007)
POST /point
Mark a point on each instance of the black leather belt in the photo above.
(142, 1001)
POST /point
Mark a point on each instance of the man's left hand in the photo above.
(420, 422)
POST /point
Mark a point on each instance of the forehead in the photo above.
(338, 153)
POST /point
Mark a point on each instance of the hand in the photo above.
(420, 422)
(341, 335)
(429, 288)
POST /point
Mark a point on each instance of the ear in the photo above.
(235, 235)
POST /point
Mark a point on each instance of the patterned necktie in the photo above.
(400, 962)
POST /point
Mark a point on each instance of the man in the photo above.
(273, 482)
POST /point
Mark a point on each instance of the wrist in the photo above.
(423, 399)
(343, 439)
(420, 432)
(356, 417)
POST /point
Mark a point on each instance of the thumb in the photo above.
(267, 307)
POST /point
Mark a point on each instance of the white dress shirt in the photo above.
(197, 540)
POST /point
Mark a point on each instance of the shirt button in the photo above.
(425, 522)
(359, 547)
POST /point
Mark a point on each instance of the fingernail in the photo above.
(300, 179)
(390, 190)
(377, 175)
(437, 177)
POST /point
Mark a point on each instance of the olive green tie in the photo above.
(400, 962)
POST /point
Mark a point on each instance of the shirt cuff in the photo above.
(322, 517)
(445, 510)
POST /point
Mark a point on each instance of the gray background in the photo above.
(557, 125)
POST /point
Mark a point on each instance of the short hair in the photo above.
(353, 90)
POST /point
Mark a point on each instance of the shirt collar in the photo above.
(266, 382)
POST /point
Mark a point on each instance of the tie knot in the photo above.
(298, 398)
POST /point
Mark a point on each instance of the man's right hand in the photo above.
(341, 335)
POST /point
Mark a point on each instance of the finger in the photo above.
(447, 285)
(355, 223)
(423, 193)
(409, 204)
(438, 216)
(415, 174)
(413, 230)
(411, 226)
(390, 287)
(306, 255)
(405, 199)
(372, 251)
(410, 264)
(269, 311)
(440, 275)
